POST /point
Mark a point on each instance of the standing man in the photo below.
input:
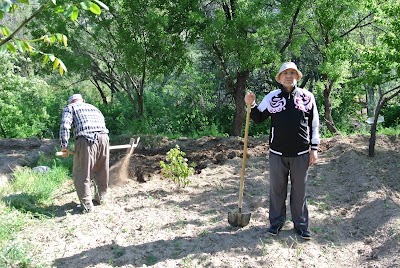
(91, 156)
(293, 142)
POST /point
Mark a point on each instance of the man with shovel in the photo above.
(91, 155)
(293, 142)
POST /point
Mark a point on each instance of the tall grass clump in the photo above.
(12, 253)
(28, 196)
(32, 191)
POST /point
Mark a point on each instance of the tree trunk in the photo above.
(328, 108)
(384, 97)
(129, 88)
(140, 100)
(370, 101)
(238, 95)
(102, 94)
(372, 138)
(3, 131)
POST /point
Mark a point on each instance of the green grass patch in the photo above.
(29, 195)
(31, 191)
(12, 254)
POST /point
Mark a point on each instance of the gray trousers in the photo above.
(281, 168)
(91, 161)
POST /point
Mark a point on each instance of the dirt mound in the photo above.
(354, 205)
(205, 151)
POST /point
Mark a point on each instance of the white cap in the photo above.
(75, 97)
(288, 65)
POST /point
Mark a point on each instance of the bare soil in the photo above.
(354, 206)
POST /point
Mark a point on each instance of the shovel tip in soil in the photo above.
(239, 219)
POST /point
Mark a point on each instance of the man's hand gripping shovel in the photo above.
(130, 147)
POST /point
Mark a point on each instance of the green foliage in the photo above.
(393, 131)
(24, 103)
(177, 168)
(10, 41)
(185, 105)
(156, 40)
(392, 114)
(14, 255)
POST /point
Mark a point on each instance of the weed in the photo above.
(29, 194)
(203, 233)
(13, 255)
(321, 205)
(153, 199)
(214, 220)
(315, 229)
(181, 223)
(187, 261)
(33, 191)
(386, 203)
(178, 249)
(118, 252)
(262, 247)
(317, 181)
(151, 259)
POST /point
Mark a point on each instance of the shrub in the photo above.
(177, 168)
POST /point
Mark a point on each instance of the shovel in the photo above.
(132, 145)
(240, 219)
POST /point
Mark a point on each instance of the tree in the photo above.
(25, 103)
(333, 28)
(135, 42)
(9, 39)
(245, 36)
(380, 65)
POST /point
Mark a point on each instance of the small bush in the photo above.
(177, 168)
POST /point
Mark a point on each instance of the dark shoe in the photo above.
(274, 229)
(305, 234)
(95, 202)
(100, 199)
(84, 210)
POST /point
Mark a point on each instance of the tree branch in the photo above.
(11, 36)
(395, 92)
(233, 8)
(227, 11)
(358, 25)
(221, 59)
(290, 37)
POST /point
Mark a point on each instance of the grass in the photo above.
(31, 191)
(12, 221)
(27, 197)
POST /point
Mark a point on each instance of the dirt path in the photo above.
(354, 204)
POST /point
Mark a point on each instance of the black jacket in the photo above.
(294, 121)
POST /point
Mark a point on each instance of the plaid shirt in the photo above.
(85, 119)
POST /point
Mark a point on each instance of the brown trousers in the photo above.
(91, 161)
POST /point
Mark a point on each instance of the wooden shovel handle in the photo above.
(246, 137)
(66, 153)
(130, 147)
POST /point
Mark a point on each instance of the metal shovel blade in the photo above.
(239, 219)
